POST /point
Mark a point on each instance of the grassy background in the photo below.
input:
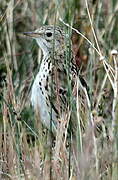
(24, 150)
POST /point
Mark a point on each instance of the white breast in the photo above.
(38, 98)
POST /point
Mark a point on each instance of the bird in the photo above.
(53, 91)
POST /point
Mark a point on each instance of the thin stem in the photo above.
(101, 91)
(115, 89)
(107, 71)
(93, 28)
(78, 32)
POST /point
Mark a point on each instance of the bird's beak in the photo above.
(32, 34)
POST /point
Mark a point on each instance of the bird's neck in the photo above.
(55, 51)
(54, 54)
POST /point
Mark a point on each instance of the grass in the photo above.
(27, 152)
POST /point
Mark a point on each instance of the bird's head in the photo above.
(48, 38)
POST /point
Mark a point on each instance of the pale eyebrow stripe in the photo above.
(57, 30)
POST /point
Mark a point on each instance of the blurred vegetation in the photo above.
(23, 153)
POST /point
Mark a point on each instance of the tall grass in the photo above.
(27, 150)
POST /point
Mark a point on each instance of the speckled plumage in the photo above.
(56, 76)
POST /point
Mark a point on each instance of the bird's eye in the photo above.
(49, 34)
